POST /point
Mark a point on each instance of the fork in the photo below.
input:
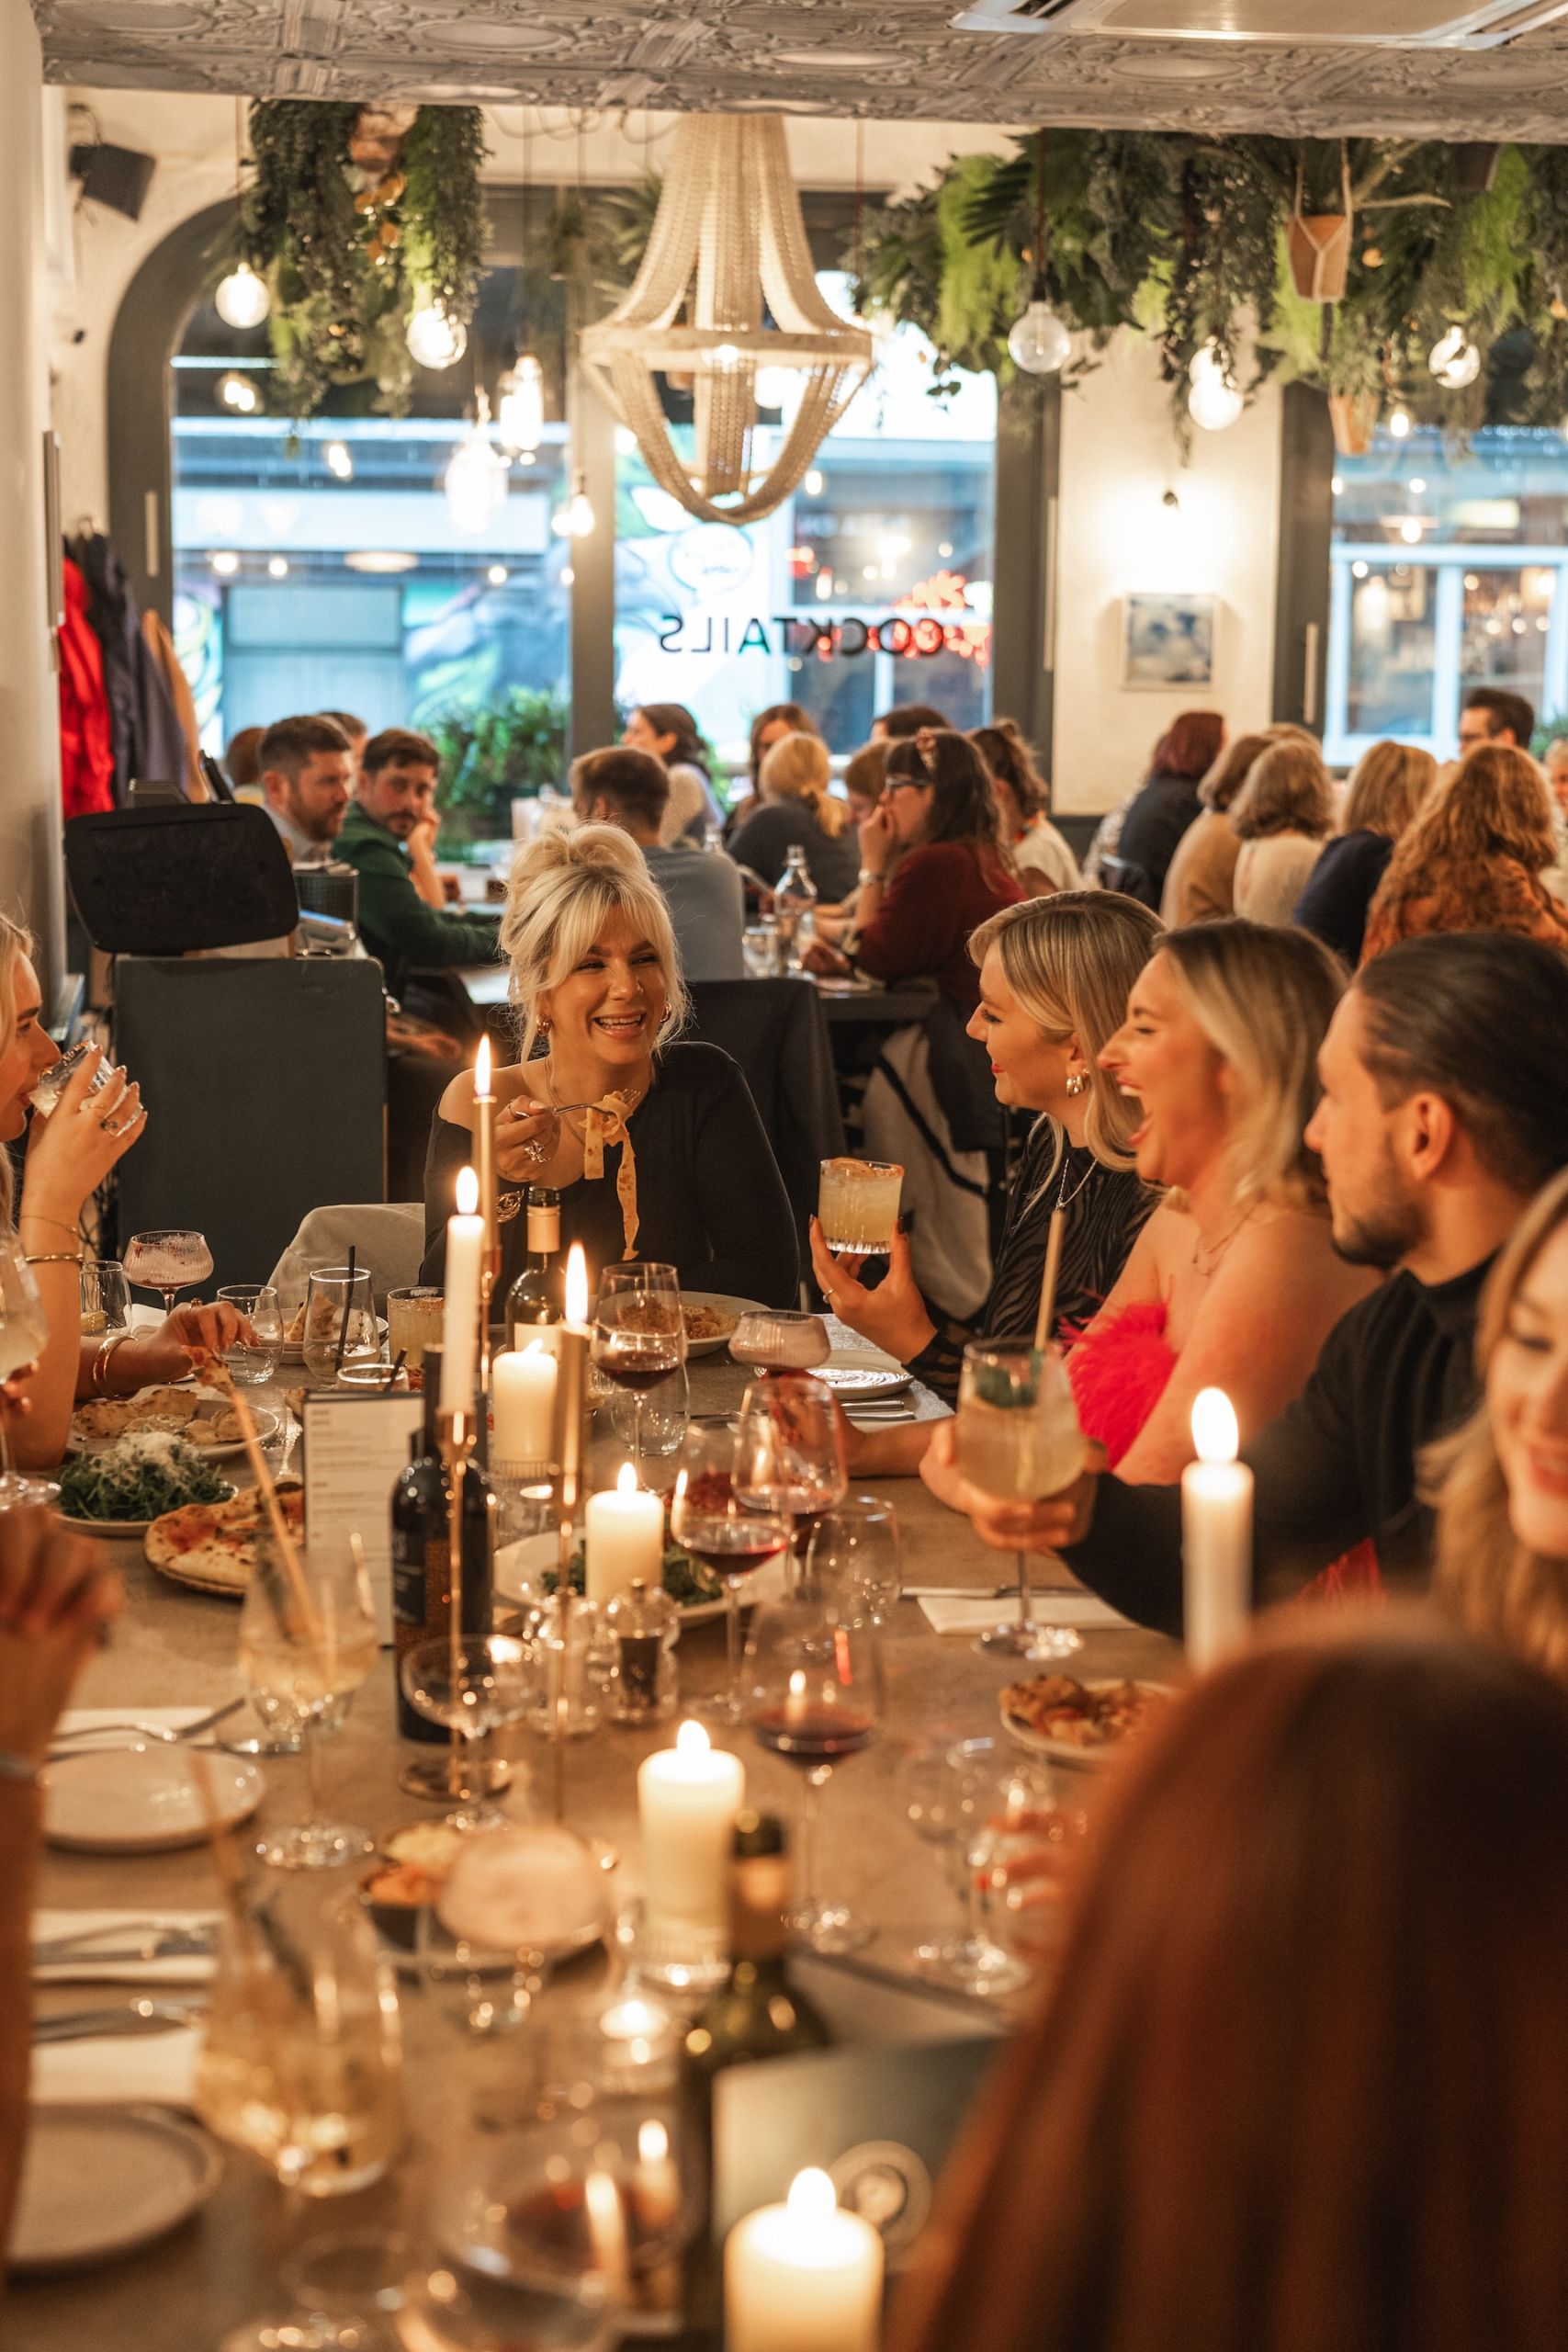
(161, 1939)
(142, 2016)
(150, 1731)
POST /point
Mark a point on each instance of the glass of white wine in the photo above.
(303, 2058)
(306, 1647)
(24, 1334)
(1018, 1440)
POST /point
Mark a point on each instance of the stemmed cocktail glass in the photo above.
(1018, 1440)
(169, 1260)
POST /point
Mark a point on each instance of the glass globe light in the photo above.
(1041, 343)
(242, 299)
(476, 477)
(520, 412)
(435, 340)
(778, 386)
(576, 519)
(1214, 404)
(1399, 424)
(1454, 360)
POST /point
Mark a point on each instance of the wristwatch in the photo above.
(865, 876)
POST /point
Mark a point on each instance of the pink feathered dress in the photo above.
(1119, 1374)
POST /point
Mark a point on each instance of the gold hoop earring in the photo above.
(1077, 1080)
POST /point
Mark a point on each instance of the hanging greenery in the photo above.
(1342, 264)
(355, 216)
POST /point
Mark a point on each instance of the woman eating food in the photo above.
(653, 1143)
(1054, 975)
(71, 1149)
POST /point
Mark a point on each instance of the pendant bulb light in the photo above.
(435, 340)
(243, 299)
(476, 479)
(1454, 360)
(576, 519)
(1040, 343)
(520, 410)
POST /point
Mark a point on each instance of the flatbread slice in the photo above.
(218, 1543)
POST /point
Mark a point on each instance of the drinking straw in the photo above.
(219, 1371)
(347, 1303)
(392, 1376)
(1048, 1279)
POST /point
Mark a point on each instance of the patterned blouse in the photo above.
(1498, 896)
(1106, 1208)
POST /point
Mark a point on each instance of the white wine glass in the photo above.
(24, 1335)
(306, 1647)
(169, 1259)
(955, 1792)
(855, 1555)
(1018, 1439)
(815, 1697)
(472, 1687)
(639, 1334)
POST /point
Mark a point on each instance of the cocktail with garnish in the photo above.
(708, 1520)
(1018, 1440)
(857, 1205)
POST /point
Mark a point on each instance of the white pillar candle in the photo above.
(460, 1322)
(687, 1798)
(524, 1386)
(804, 2277)
(625, 1539)
(1216, 1532)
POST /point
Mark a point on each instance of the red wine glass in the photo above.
(814, 1696)
(708, 1520)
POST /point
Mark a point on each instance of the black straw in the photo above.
(392, 1376)
(347, 1303)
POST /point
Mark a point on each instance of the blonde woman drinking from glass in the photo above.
(653, 1143)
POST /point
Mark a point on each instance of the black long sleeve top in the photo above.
(1337, 1465)
(710, 1199)
(1106, 1208)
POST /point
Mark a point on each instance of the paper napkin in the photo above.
(157, 2069)
(83, 1968)
(1085, 1612)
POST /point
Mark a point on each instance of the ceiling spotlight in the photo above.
(238, 393)
(1455, 361)
(497, 575)
(242, 299)
(224, 563)
(435, 340)
(1399, 424)
(339, 461)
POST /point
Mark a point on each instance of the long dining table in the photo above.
(177, 1647)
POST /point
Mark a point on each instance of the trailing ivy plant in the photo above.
(346, 252)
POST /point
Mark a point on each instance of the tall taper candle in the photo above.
(484, 1143)
(460, 1322)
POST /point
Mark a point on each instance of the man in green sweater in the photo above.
(397, 774)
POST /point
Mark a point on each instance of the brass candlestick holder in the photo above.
(457, 1435)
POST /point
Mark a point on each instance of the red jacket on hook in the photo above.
(87, 743)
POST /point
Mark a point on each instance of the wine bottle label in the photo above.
(421, 1607)
(544, 1230)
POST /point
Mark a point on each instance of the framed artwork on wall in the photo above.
(1167, 640)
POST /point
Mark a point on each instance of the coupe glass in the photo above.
(639, 1335)
(967, 1797)
(170, 1261)
(708, 1520)
(307, 1651)
(340, 1322)
(472, 1687)
(789, 1450)
(24, 1335)
(855, 1556)
(251, 1360)
(774, 1338)
(1018, 1440)
(106, 1298)
(814, 1695)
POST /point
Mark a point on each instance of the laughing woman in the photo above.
(655, 1145)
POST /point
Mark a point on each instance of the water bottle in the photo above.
(795, 908)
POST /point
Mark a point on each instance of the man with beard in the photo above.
(397, 777)
(1443, 1111)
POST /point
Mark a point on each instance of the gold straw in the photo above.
(1048, 1279)
(268, 1488)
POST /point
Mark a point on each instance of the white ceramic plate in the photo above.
(518, 1565)
(865, 1372)
(209, 1401)
(98, 2182)
(1066, 1751)
(717, 1298)
(143, 1799)
(133, 1526)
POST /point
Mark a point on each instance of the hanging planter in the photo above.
(1354, 417)
(1318, 243)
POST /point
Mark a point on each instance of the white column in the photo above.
(30, 870)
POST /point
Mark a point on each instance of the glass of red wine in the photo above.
(814, 1696)
(708, 1520)
(789, 1451)
(640, 1336)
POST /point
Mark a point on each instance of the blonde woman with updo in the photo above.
(796, 811)
(653, 1143)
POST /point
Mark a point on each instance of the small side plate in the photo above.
(99, 2181)
(143, 1799)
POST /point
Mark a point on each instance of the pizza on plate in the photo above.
(218, 1543)
(1081, 1714)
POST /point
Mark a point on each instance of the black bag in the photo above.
(163, 881)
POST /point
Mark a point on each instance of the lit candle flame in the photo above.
(652, 2143)
(813, 2198)
(576, 1285)
(1215, 1436)
(481, 1072)
(625, 1479)
(468, 1192)
(692, 1740)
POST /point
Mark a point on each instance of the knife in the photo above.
(123, 2018)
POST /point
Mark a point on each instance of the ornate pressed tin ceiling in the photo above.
(816, 57)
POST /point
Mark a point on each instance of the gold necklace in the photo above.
(1214, 1251)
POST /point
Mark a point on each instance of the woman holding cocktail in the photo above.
(1054, 977)
(654, 1145)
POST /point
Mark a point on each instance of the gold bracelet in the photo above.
(37, 1217)
(99, 1374)
(52, 1257)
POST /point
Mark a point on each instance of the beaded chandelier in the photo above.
(728, 257)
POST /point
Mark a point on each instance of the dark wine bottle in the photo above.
(538, 1295)
(421, 1573)
(757, 2014)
